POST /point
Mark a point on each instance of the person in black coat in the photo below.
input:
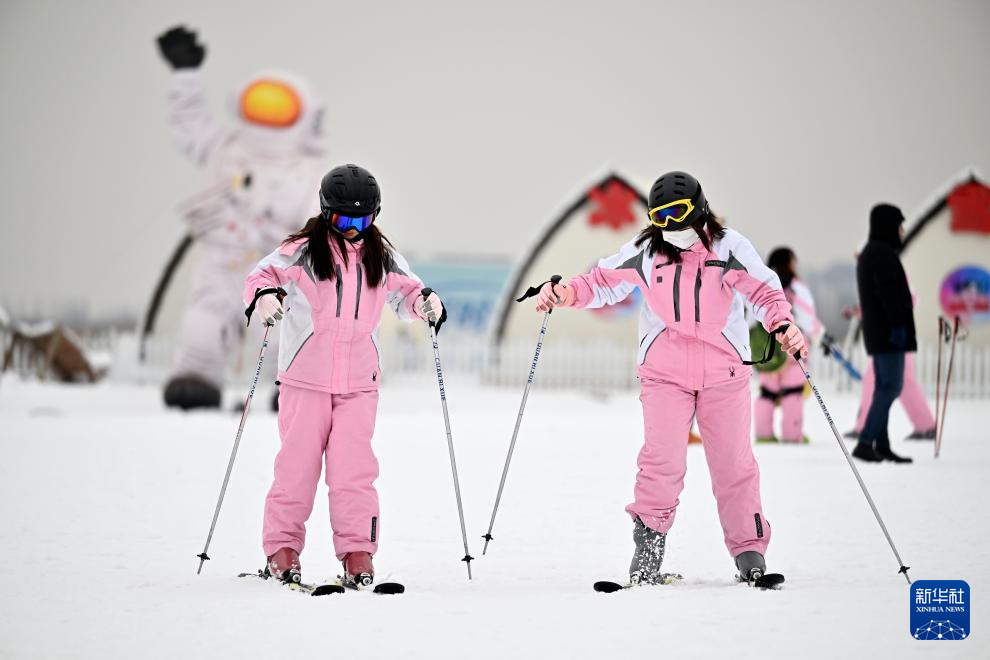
(888, 326)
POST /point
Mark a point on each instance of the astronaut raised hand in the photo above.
(180, 49)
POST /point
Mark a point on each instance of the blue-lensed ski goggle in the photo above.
(345, 222)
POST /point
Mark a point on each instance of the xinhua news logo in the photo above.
(940, 610)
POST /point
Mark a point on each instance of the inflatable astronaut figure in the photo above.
(262, 181)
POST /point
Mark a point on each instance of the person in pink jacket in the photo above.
(786, 385)
(336, 274)
(694, 359)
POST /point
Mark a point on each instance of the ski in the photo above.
(771, 581)
(383, 589)
(608, 587)
(300, 587)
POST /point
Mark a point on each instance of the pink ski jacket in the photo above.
(803, 306)
(328, 334)
(692, 329)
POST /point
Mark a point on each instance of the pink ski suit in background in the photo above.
(912, 397)
(787, 383)
(329, 371)
(693, 341)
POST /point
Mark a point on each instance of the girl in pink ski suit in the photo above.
(694, 276)
(786, 384)
(338, 273)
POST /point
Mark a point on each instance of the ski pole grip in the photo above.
(535, 290)
(781, 329)
(279, 292)
(554, 279)
(426, 292)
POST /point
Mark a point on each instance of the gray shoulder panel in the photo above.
(634, 262)
(394, 268)
(303, 262)
(732, 264)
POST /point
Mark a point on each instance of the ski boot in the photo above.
(767, 440)
(648, 555)
(753, 571)
(284, 565)
(751, 566)
(922, 435)
(358, 569)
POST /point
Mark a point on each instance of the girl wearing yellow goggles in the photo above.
(676, 211)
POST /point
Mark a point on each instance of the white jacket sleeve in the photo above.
(402, 288)
(194, 129)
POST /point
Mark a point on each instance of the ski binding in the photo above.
(608, 587)
(300, 587)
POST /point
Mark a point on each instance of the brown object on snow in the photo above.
(49, 350)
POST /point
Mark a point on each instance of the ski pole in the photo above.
(446, 420)
(522, 407)
(838, 438)
(830, 348)
(948, 379)
(938, 370)
(203, 557)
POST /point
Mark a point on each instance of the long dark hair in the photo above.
(376, 255)
(781, 261)
(707, 226)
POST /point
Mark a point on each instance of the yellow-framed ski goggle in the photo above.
(677, 211)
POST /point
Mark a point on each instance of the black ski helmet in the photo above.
(674, 186)
(349, 190)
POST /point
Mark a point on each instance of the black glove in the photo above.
(827, 342)
(179, 47)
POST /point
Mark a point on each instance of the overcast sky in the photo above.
(482, 120)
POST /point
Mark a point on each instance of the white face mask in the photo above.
(682, 239)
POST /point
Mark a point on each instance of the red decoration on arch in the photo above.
(970, 206)
(614, 205)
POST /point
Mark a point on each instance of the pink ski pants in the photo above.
(318, 428)
(912, 397)
(723, 412)
(791, 406)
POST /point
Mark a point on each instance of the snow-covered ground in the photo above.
(105, 499)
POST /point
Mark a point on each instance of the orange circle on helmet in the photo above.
(270, 103)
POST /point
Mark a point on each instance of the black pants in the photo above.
(889, 371)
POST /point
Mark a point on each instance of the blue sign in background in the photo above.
(940, 610)
(470, 289)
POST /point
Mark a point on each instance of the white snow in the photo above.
(106, 498)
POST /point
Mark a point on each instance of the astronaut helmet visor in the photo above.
(270, 103)
(345, 222)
